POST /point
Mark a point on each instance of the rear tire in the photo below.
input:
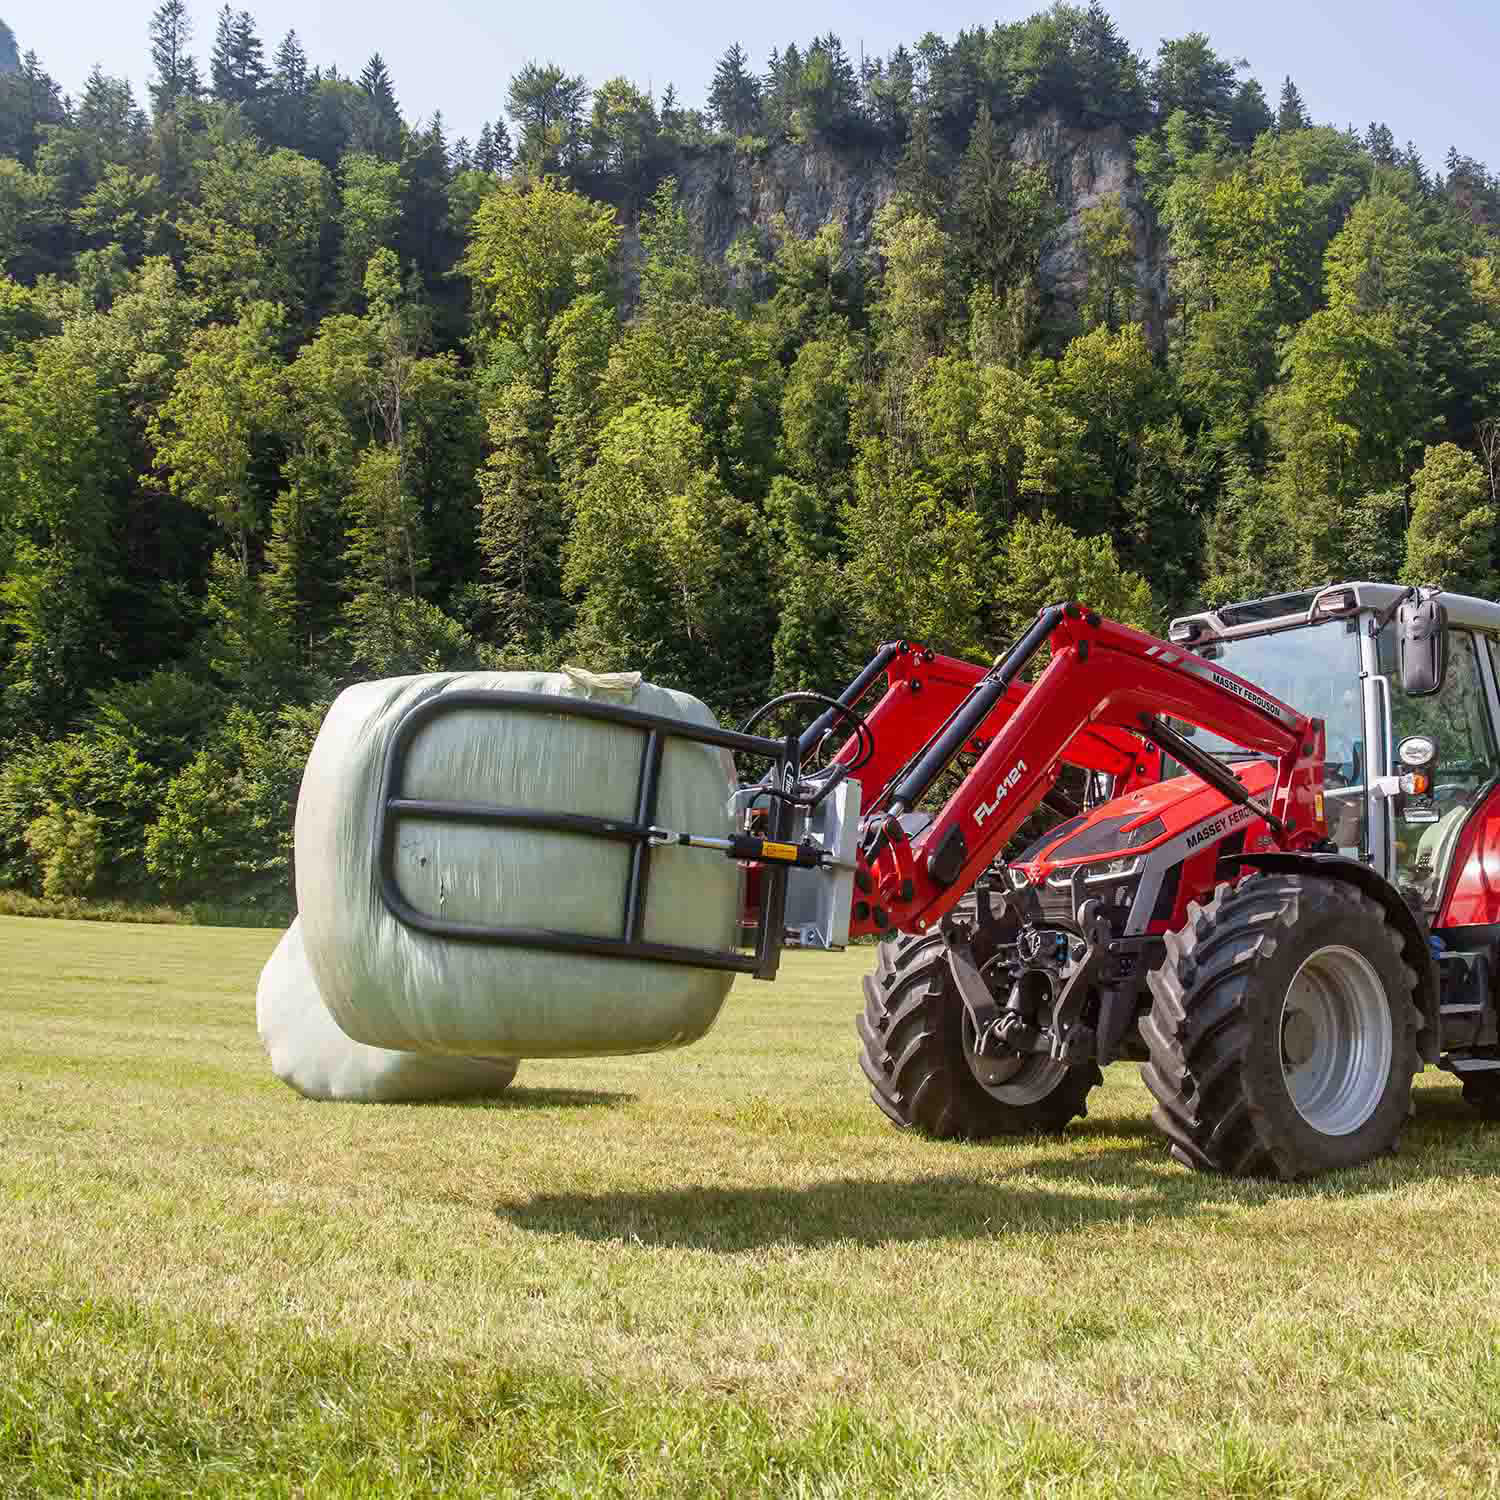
(911, 1048)
(1282, 1031)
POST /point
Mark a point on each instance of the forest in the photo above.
(297, 391)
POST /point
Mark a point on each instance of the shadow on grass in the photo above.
(1115, 1172)
(523, 1098)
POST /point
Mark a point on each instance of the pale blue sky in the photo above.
(1429, 70)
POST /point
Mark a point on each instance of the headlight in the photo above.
(1018, 878)
(1114, 870)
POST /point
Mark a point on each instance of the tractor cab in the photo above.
(1408, 761)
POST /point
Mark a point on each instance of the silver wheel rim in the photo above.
(1017, 1080)
(1336, 1040)
(1014, 1078)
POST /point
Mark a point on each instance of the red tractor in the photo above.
(1280, 912)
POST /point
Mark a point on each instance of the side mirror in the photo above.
(1422, 645)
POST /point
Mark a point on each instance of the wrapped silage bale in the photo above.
(390, 985)
(310, 1054)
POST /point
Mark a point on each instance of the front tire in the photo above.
(912, 1048)
(1282, 1032)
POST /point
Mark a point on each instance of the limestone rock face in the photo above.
(726, 192)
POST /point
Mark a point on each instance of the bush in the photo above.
(225, 829)
(163, 717)
(80, 777)
(65, 845)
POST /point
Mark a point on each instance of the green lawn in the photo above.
(711, 1272)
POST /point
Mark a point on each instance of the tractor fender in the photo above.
(1406, 922)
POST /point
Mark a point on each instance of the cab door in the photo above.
(1426, 832)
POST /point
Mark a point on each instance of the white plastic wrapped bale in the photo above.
(390, 985)
(310, 1054)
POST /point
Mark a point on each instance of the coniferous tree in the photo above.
(734, 94)
(237, 64)
(30, 101)
(1292, 114)
(1381, 144)
(921, 169)
(501, 146)
(287, 94)
(485, 159)
(378, 128)
(174, 69)
(375, 80)
(547, 105)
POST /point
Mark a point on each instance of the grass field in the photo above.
(713, 1272)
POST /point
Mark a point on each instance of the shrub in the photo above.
(225, 829)
(65, 846)
(78, 777)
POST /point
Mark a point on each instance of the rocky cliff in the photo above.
(727, 192)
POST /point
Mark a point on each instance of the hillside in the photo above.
(298, 391)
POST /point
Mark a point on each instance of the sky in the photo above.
(1428, 71)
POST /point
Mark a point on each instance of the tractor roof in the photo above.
(1282, 611)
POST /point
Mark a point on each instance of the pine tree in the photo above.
(500, 143)
(920, 171)
(237, 64)
(734, 95)
(174, 69)
(375, 80)
(547, 105)
(1381, 144)
(485, 159)
(288, 94)
(32, 100)
(1292, 114)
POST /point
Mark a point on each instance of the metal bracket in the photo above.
(638, 831)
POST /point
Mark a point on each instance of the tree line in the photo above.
(297, 391)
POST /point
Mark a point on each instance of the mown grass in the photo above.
(713, 1272)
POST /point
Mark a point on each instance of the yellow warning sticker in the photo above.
(1318, 804)
(778, 851)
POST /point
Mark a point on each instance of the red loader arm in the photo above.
(1107, 690)
(923, 693)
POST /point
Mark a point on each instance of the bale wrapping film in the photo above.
(391, 986)
(310, 1054)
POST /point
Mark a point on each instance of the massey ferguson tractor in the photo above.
(1275, 883)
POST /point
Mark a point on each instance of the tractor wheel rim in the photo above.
(1032, 1082)
(1014, 1078)
(1336, 1040)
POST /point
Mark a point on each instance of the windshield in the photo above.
(1314, 668)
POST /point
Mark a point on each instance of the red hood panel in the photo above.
(1179, 803)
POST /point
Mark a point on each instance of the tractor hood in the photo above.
(1139, 843)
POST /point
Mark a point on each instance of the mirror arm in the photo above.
(1384, 618)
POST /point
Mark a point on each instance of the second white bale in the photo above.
(389, 985)
(309, 1053)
